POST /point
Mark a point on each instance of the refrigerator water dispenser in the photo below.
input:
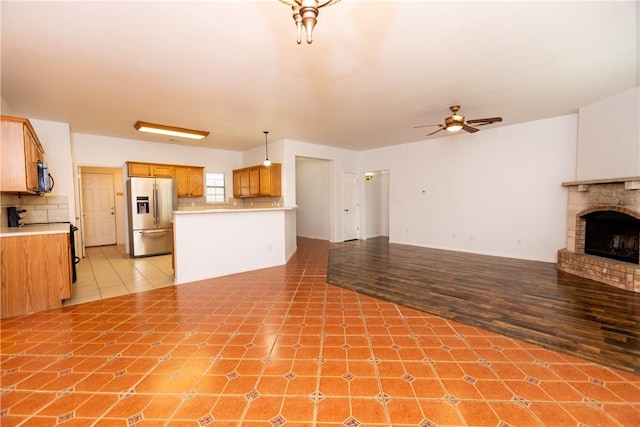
(143, 204)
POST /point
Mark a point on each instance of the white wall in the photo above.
(55, 140)
(496, 192)
(342, 161)
(312, 198)
(609, 137)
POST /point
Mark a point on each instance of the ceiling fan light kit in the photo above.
(305, 14)
(456, 123)
(169, 130)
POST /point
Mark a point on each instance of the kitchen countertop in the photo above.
(32, 230)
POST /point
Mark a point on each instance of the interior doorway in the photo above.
(98, 209)
(350, 207)
(102, 207)
(313, 200)
(376, 204)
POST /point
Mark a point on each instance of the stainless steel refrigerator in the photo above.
(151, 205)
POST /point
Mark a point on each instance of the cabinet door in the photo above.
(41, 283)
(196, 182)
(20, 152)
(163, 171)
(265, 181)
(270, 181)
(182, 181)
(244, 183)
(189, 181)
(236, 183)
(254, 181)
(33, 155)
(139, 169)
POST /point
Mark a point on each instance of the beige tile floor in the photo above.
(107, 271)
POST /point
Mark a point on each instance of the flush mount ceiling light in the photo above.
(169, 130)
(266, 162)
(305, 14)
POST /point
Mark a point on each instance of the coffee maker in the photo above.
(14, 216)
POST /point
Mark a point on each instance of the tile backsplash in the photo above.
(197, 203)
(39, 209)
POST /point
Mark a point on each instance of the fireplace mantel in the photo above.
(633, 181)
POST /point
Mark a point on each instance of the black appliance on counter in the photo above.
(14, 215)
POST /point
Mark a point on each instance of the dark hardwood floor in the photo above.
(528, 300)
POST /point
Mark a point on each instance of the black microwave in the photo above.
(45, 180)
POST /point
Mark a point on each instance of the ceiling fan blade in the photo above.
(424, 126)
(434, 132)
(481, 122)
(469, 129)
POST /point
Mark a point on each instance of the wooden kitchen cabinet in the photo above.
(254, 182)
(189, 180)
(19, 156)
(150, 170)
(42, 282)
(241, 183)
(258, 181)
(271, 180)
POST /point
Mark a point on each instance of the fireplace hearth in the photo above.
(603, 230)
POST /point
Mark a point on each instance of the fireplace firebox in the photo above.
(612, 235)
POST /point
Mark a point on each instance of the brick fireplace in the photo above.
(603, 217)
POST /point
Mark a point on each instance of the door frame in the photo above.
(120, 206)
(346, 176)
(83, 176)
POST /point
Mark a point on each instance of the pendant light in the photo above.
(267, 162)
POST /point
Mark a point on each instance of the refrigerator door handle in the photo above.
(153, 231)
(155, 205)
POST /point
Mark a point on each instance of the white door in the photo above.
(350, 206)
(98, 209)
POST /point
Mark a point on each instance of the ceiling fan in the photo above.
(455, 122)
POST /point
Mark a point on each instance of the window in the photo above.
(215, 187)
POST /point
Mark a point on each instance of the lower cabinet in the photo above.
(36, 273)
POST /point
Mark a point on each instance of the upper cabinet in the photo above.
(19, 156)
(189, 179)
(258, 181)
(271, 180)
(150, 170)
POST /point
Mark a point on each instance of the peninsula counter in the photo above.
(218, 242)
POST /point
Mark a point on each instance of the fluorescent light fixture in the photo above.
(169, 130)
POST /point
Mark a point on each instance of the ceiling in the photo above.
(374, 71)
